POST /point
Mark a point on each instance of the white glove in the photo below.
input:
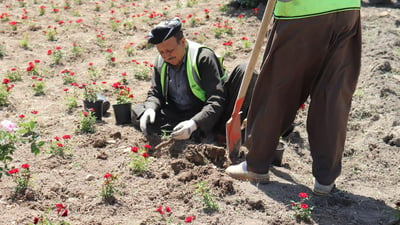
(149, 115)
(184, 130)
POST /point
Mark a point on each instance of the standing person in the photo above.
(314, 50)
(190, 92)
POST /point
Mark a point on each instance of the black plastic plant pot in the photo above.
(97, 106)
(122, 113)
(278, 154)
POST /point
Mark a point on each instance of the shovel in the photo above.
(233, 126)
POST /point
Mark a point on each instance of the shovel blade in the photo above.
(233, 135)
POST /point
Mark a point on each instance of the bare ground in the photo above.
(367, 189)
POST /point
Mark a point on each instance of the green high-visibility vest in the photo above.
(293, 9)
(192, 70)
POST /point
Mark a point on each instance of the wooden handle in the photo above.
(255, 53)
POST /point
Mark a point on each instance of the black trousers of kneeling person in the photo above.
(167, 118)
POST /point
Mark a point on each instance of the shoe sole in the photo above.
(323, 192)
(252, 177)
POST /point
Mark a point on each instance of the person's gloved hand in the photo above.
(149, 115)
(184, 130)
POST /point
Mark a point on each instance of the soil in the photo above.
(367, 190)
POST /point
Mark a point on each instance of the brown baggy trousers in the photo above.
(318, 57)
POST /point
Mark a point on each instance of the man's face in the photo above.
(172, 51)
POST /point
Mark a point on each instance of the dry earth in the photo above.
(367, 190)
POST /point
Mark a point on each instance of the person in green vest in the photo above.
(313, 51)
(190, 93)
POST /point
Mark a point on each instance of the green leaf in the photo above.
(34, 148)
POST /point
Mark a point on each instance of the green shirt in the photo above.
(294, 9)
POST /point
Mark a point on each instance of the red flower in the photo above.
(25, 166)
(65, 213)
(303, 195)
(13, 171)
(228, 43)
(304, 206)
(116, 85)
(303, 106)
(49, 52)
(66, 136)
(60, 206)
(86, 114)
(134, 149)
(12, 23)
(168, 209)
(6, 81)
(35, 220)
(112, 59)
(245, 38)
(109, 50)
(107, 175)
(56, 138)
(145, 155)
(58, 48)
(66, 89)
(189, 219)
(9, 87)
(159, 209)
(147, 146)
(60, 145)
(21, 116)
(91, 110)
(34, 112)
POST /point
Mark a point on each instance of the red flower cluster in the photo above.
(228, 43)
(134, 149)
(303, 195)
(304, 206)
(189, 219)
(6, 82)
(160, 210)
(31, 67)
(13, 171)
(62, 210)
(124, 95)
(25, 166)
(4, 16)
(16, 170)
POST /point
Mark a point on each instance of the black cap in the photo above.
(164, 30)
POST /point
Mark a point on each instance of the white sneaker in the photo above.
(240, 172)
(320, 189)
